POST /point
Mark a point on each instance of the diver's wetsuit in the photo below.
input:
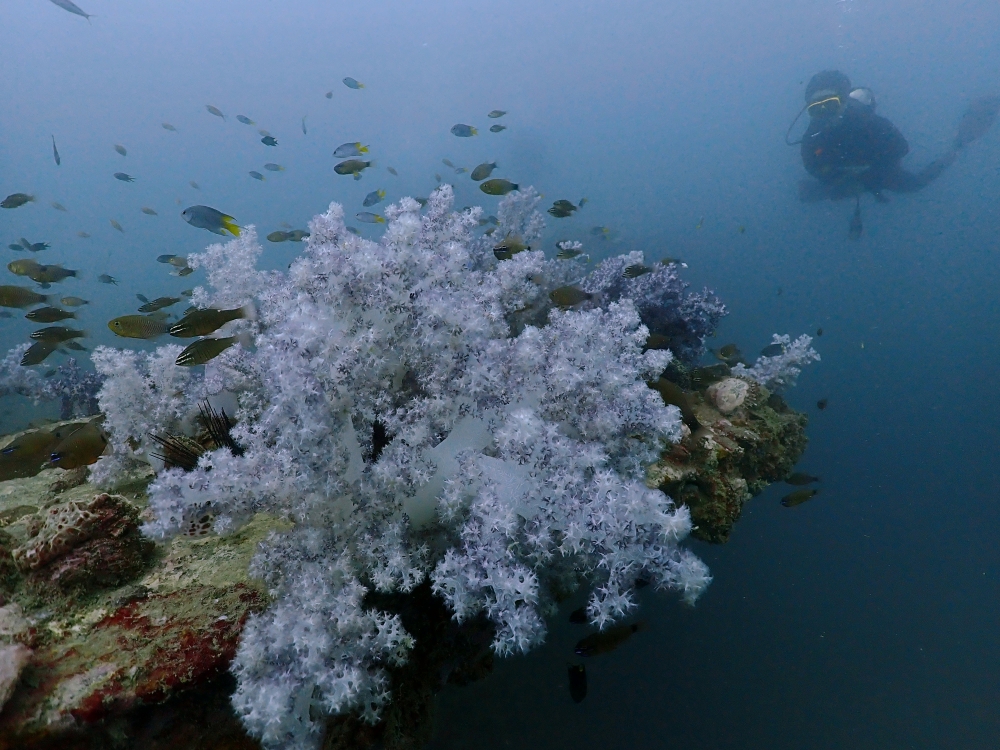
(860, 152)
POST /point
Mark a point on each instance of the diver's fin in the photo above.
(977, 120)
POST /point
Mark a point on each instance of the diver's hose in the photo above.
(789, 131)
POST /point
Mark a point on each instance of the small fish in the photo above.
(701, 223)
(562, 209)
(121, 149)
(447, 163)
(635, 271)
(116, 225)
(498, 186)
(204, 322)
(606, 641)
(821, 404)
(175, 260)
(49, 315)
(203, 350)
(352, 166)
(19, 296)
(142, 298)
(285, 225)
(38, 352)
(568, 296)
(257, 175)
(577, 675)
(72, 8)
(75, 346)
(497, 113)
(24, 267)
(600, 232)
(304, 131)
(369, 218)
(168, 126)
(245, 120)
(271, 167)
(59, 207)
(215, 111)
(772, 350)
(463, 131)
(509, 247)
(268, 140)
(264, 133)
(57, 334)
(568, 249)
(83, 235)
(856, 228)
(461, 170)
(55, 151)
(106, 279)
(81, 447)
(124, 177)
(579, 616)
(297, 235)
(277, 236)
(158, 304)
(138, 327)
(73, 301)
(149, 211)
(730, 353)
(16, 200)
(798, 479)
(352, 84)
(206, 217)
(16, 246)
(187, 293)
(497, 128)
(798, 497)
(375, 196)
(45, 275)
(819, 331)
(483, 170)
(185, 271)
(346, 150)
(392, 171)
(437, 177)
(195, 185)
(329, 95)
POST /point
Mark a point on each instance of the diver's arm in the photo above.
(888, 145)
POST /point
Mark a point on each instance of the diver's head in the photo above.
(826, 94)
(864, 96)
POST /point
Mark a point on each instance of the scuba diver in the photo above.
(850, 150)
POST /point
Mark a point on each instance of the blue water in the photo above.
(863, 619)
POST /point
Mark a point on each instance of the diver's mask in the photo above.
(825, 107)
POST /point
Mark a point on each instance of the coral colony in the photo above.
(421, 412)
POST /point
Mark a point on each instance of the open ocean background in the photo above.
(864, 619)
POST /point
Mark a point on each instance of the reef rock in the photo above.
(13, 659)
(742, 440)
(729, 394)
(85, 542)
(114, 623)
